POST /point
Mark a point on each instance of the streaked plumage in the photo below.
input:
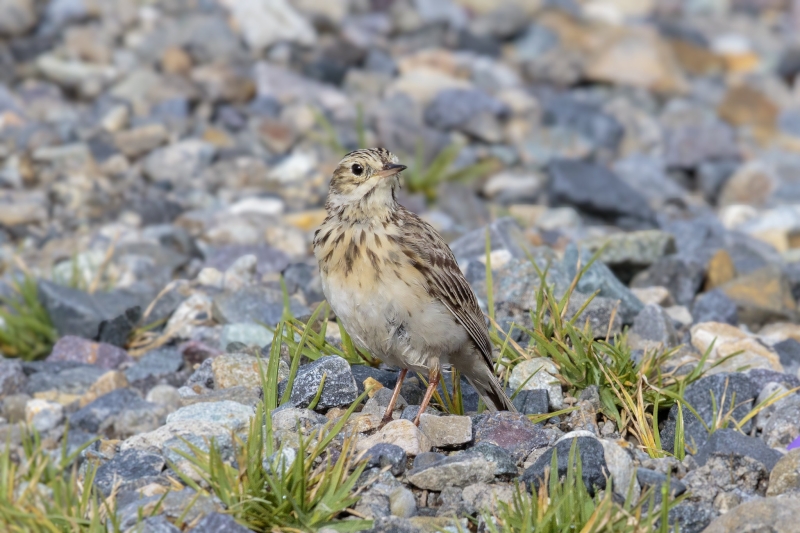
(394, 283)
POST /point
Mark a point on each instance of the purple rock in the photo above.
(512, 432)
(794, 444)
(80, 350)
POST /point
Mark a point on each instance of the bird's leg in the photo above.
(433, 382)
(387, 416)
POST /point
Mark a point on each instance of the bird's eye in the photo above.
(357, 169)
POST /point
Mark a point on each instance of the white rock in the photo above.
(401, 433)
(446, 430)
(265, 22)
(44, 415)
(241, 273)
(258, 206)
(620, 466)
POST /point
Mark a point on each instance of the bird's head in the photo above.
(366, 180)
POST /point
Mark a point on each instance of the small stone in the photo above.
(633, 250)
(620, 467)
(12, 377)
(218, 522)
(446, 431)
(14, 407)
(81, 350)
(504, 464)
(531, 402)
(720, 270)
(402, 433)
(779, 515)
(692, 517)
(43, 415)
(130, 469)
(156, 364)
(762, 296)
(339, 388)
(402, 503)
(235, 369)
(652, 329)
(592, 457)
(181, 162)
(785, 475)
(166, 395)
(789, 353)
(254, 335)
(139, 141)
(17, 17)
(383, 454)
(542, 373)
(175, 60)
(231, 415)
(732, 442)
(458, 470)
(256, 305)
(745, 106)
(512, 432)
(650, 478)
(110, 381)
(715, 306)
(682, 276)
(155, 524)
(727, 340)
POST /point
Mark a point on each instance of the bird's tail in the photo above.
(492, 393)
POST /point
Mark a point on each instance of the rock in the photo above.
(652, 330)
(762, 296)
(650, 478)
(458, 470)
(102, 410)
(778, 515)
(166, 395)
(231, 415)
(139, 141)
(504, 234)
(255, 305)
(620, 467)
(531, 402)
(12, 377)
(239, 369)
(467, 110)
(632, 251)
(68, 379)
(731, 442)
(110, 381)
(593, 463)
(155, 524)
(599, 277)
(715, 306)
(216, 522)
(788, 351)
(599, 128)
(265, 22)
(692, 517)
(699, 395)
(746, 106)
(382, 455)
(78, 313)
(180, 162)
(80, 350)
(402, 503)
(746, 350)
(17, 17)
(43, 415)
(695, 143)
(538, 373)
(752, 184)
(446, 431)
(597, 191)
(379, 402)
(155, 365)
(401, 433)
(504, 464)
(339, 388)
(785, 475)
(602, 314)
(783, 424)
(185, 504)
(254, 335)
(636, 56)
(130, 469)
(512, 432)
(682, 276)
(14, 407)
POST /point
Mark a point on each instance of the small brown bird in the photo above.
(395, 284)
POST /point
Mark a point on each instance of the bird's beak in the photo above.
(390, 169)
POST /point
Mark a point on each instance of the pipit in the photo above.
(395, 285)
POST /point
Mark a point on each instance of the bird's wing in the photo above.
(445, 280)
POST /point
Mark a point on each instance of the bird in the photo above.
(395, 285)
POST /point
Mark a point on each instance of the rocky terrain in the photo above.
(163, 165)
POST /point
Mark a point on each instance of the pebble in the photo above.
(339, 388)
(43, 415)
(446, 431)
(538, 373)
(592, 457)
(401, 433)
(455, 471)
(784, 477)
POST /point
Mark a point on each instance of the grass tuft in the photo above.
(26, 330)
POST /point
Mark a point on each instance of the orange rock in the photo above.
(720, 270)
(746, 106)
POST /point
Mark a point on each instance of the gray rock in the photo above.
(682, 276)
(17, 17)
(426, 459)
(155, 524)
(66, 377)
(775, 515)
(339, 389)
(531, 402)
(14, 407)
(600, 278)
(783, 423)
(689, 145)
(383, 454)
(232, 415)
(599, 128)
(715, 306)
(597, 191)
(155, 365)
(504, 234)
(80, 350)
(12, 377)
(632, 251)
(467, 110)
(652, 329)
(250, 335)
(255, 305)
(650, 478)
(457, 470)
(785, 475)
(203, 376)
(739, 393)
(180, 162)
(504, 464)
(130, 469)
(592, 457)
(217, 523)
(512, 432)
(185, 504)
(78, 313)
(788, 351)
(94, 414)
(692, 517)
(727, 442)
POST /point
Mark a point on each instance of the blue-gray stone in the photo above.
(592, 458)
(727, 442)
